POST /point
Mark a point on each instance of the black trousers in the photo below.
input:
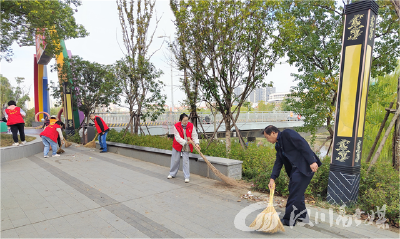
(15, 128)
(295, 206)
(59, 141)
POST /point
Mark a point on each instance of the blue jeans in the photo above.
(47, 142)
(102, 141)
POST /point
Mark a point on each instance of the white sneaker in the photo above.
(23, 142)
(46, 156)
(55, 155)
(186, 180)
(15, 144)
(169, 177)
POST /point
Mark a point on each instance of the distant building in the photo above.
(268, 92)
(278, 97)
(261, 94)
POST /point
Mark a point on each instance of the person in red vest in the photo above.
(15, 119)
(102, 130)
(49, 138)
(184, 133)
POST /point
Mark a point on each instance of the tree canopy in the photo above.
(22, 20)
(314, 31)
(93, 84)
(227, 44)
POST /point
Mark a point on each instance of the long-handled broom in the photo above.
(268, 220)
(67, 144)
(92, 144)
(224, 178)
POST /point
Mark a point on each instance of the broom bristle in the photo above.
(67, 144)
(92, 144)
(268, 220)
(224, 178)
(60, 150)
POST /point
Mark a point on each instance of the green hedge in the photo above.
(379, 187)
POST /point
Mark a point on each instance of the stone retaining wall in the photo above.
(229, 167)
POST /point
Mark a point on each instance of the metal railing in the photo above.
(206, 118)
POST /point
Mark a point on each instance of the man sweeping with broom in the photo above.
(102, 130)
(300, 162)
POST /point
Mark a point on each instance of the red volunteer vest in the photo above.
(97, 126)
(189, 129)
(14, 116)
(51, 132)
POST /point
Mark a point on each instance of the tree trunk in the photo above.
(131, 123)
(396, 4)
(137, 119)
(84, 134)
(378, 152)
(378, 136)
(396, 135)
(228, 134)
(193, 117)
(238, 133)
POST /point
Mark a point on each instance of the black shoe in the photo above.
(303, 220)
(286, 222)
(103, 151)
(101, 148)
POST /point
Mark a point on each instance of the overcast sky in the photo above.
(104, 45)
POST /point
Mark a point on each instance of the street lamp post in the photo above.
(172, 83)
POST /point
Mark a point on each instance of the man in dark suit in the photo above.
(300, 162)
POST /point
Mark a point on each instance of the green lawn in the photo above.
(7, 140)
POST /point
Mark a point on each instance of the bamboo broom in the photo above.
(67, 144)
(224, 178)
(268, 220)
(92, 144)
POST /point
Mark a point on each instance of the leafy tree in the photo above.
(55, 110)
(23, 20)
(190, 82)
(286, 106)
(314, 31)
(381, 93)
(143, 96)
(227, 44)
(93, 84)
(135, 72)
(265, 107)
(19, 94)
(30, 117)
(6, 90)
(396, 4)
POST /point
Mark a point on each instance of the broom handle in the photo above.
(94, 139)
(194, 146)
(271, 195)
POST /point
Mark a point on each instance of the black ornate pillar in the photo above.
(355, 66)
(68, 111)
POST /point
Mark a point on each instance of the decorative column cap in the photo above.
(361, 6)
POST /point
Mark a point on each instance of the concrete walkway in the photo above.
(90, 195)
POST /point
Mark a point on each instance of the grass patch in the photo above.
(7, 140)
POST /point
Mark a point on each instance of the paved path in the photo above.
(87, 194)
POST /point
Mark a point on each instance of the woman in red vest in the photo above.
(102, 130)
(49, 137)
(183, 131)
(15, 120)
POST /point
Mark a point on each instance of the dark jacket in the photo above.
(293, 150)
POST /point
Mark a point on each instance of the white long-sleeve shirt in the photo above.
(60, 133)
(181, 141)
